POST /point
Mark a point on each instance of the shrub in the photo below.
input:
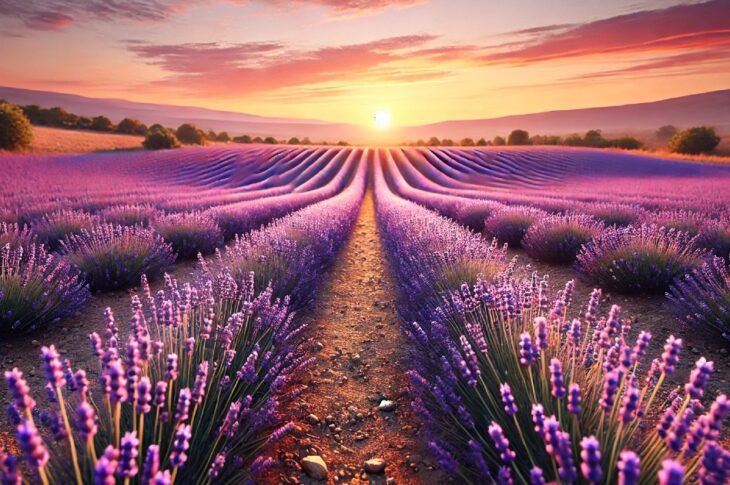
(434, 142)
(189, 233)
(715, 236)
(639, 259)
(258, 139)
(53, 228)
(482, 142)
(15, 130)
(625, 143)
(613, 214)
(189, 134)
(447, 142)
(102, 123)
(306, 141)
(293, 141)
(694, 141)
(467, 142)
(509, 225)
(191, 398)
(223, 136)
(498, 141)
(11, 233)
(130, 126)
(518, 137)
(243, 139)
(160, 139)
(270, 140)
(666, 133)
(115, 257)
(680, 220)
(36, 289)
(129, 214)
(702, 298)
(558, 239)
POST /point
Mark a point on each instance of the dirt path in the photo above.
(356, 329)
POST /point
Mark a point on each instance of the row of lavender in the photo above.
(620, 247)
(111, 249)
(518, 385)
(193, 395)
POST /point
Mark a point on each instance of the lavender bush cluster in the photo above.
(558, 239)
(53, 228)
(189, 233)
(510, 224)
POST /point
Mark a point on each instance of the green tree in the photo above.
(434, 142)
(84, 123)
(594, 138)
(518, 137)
(498, 141)
(666, 133)
(242, 139)
(270, 140)
(102, 123)
(700, 139)
(306, 141)
(447, 142)
(15, 129)
(467, 142)
(294, 141)
(223, 136)
(258, 139)
(421, 143)
(130, 126)
(160, 139)
(189, 134)
(482, 142)
(626, 143)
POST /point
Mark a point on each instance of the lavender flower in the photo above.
(536, 476)
(53, 367)
(106, 467)
(178, 455)
(508, 399)
(151, 463)
(19, 390)
(501, 443)
(574, 399)
(217, 466)
(182, 408)
(591, 456)
(144, 395)
(672, 473)
(670, 357)
(527, 352)
(698, 378)
(31, 443)
(200, 382)
(171, 368)
(628, 468)
(556, 379)
(86, 422)
(128, 456)
(160, 394)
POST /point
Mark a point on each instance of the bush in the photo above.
(102, 123)
(115, 257)
(189, 233)
(518, 137)
(715, 236)
(11, 233)
(558, 239)
(294, 141)
(626, 143)
(467, 142)
(258, 139)
(36, 289)
(270, 140)
(189, 134)
(434, 142)
(243, 139)
(509, 225)
(130, 126)
(15, 130)
(53, 228)
(223, 137)
(447, 142)
(694, 141)
(482, 142)
(498, 141)
(639, 259)
(666, 133)
(129, 214)
(680, 220)
(160, 139)
(702, 298)
(613, 214)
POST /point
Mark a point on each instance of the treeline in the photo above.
(592, 138)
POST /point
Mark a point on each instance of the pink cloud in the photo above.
(674, 28)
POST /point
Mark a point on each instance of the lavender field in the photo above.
(279, 314)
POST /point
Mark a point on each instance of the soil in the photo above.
(360, 353)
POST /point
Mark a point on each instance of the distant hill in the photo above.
(712, 108)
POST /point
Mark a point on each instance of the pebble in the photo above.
(387, 406)
(318, 346)
(374, 465)
(313, 419)
(35, 343)
(315, 467)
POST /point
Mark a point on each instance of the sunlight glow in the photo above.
(382, 119)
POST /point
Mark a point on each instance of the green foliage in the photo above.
(626, 143)
(102, 123)
(223, 136)
(161, 138)
(130, 126)
(518, 137)
(15, 129)
(499, 141)
(546, 140)
(189, 134)
(258, 139)
(242, 139)
(700, 139)
(270, 140)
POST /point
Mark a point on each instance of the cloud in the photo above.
(685, 26)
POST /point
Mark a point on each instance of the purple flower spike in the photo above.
(162, 478)
(591, 456)
(117, 382)
(144, 395)
(151, 463)
(106, 467)
(672, 473)
(19, 390)
(504, 476)
(628, 468)
(670, 356)
(556, 379)
(541, 333)
(698, 378)
(200, 382)
(171, 368)
(160, 394)
(610, 387)
(574, 399)
(642, 343)
(217, 466)
(9, 474)
(715, 465)
(630, 403)
(501, 443)
(86, 422)
(527, 351)
(178, 455)
(30, 441)
(52, 366)
(182, 409)
(538, 419)
(128, 456)
(719, 410)
(508, 399)
(536, 476)
(443, 457)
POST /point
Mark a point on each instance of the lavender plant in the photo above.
(36, 289)
(559, 238)
(11, 233)
(689, 222)
(115, 257)
(702, 298)
(130, 214)
(510, 224)
(53, 228)
(191, 397)
(715, 236)
(189, 233)
(643, 259)
(613, 214)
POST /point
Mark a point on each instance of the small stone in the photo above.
(315, 467)
(313, 419)
(35, 343)
(375, 465)
(695, 350)
(387, 405)
(415, 459)
(318, 346)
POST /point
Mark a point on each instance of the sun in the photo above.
(382, 119)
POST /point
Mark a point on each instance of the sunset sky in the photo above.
(345, 60)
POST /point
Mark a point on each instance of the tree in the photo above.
(306, 141)
(102, 123)
(421, 143)
(258, 139)
(84, 123)
(447, 142)
(270, 140)
(61, 118)
(498, 141)
(211, 135)
(626, 143)
(482, 142)
(434, 142)
(573, 140)
(160, 139)
(343, 143)
(700, 139)
(467, 142)
(518, 137)
(189, 134)
(594, 138)
(15, 129)
(666, 133)
(130, 126)
(294, 141)
(223, 136)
